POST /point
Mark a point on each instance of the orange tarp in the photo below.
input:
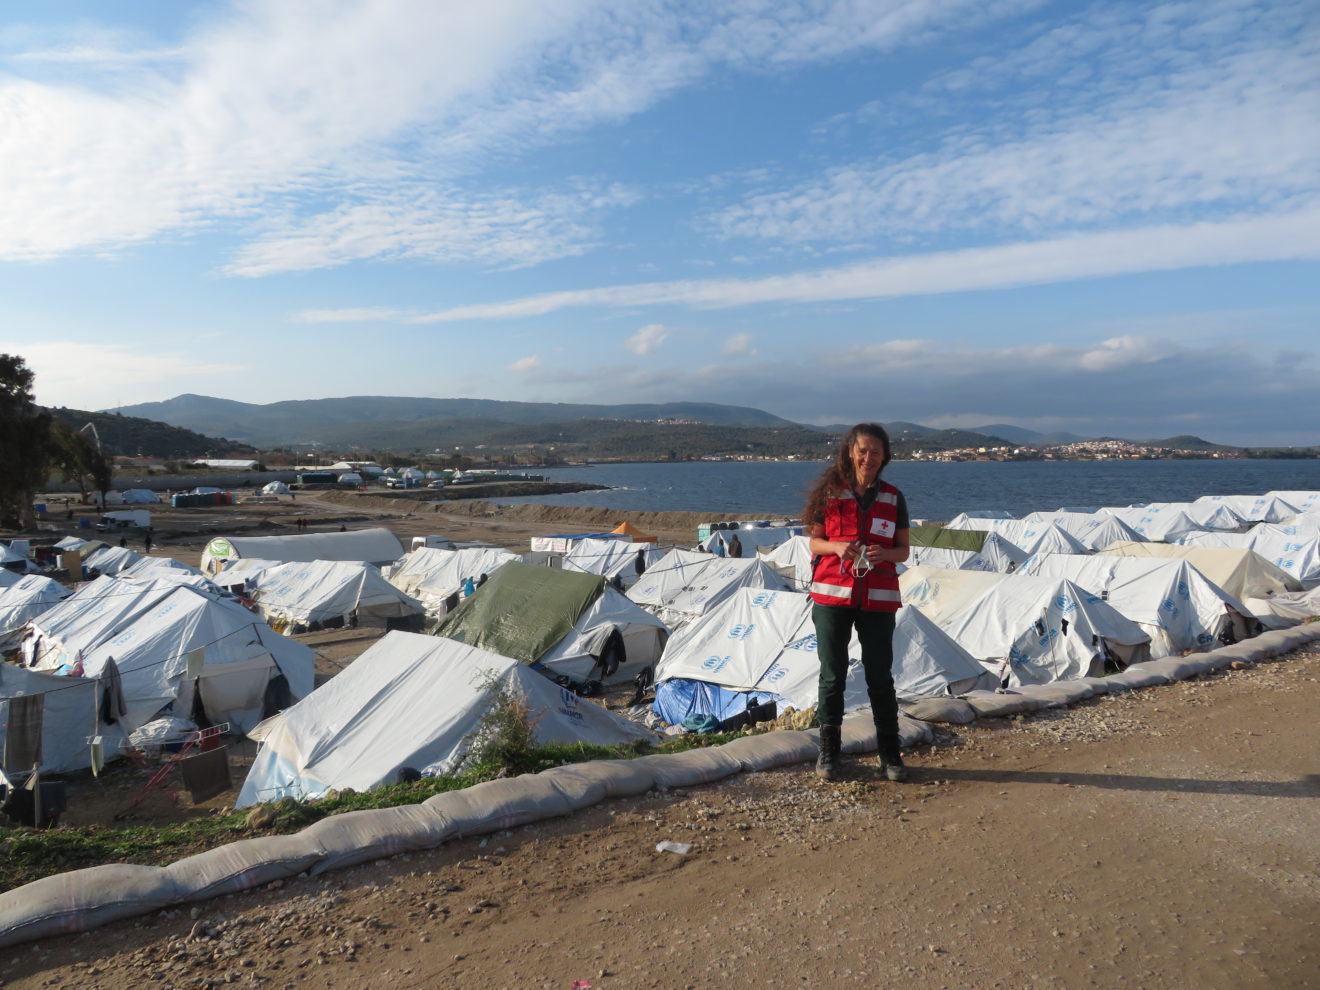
(628, 529)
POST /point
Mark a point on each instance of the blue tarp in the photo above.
(680, 697)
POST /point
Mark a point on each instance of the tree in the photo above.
(25, 441)
(79, 459)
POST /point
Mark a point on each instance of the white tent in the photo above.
(374, 546)
(750, 538)
(412, 474)
(8, 555)
(140, 496)
(24, 600)
(1094, 530)
(996, 554)
(1241, 573)
(432, 575)
(1157, 523)
(1034, 630)
(559, 621)
(968, 520)
(763, 645)
(1304, 524)
(1298, 555)
(69, 718)
(942, 594)
(111, 560)
(1255, 508)
(686, 583)
(247, 571)
(316, 593)
(410, 701)
(1302, 501)
(275, 488)
(1171, 600)
(1029, 537)
(150, 629)
(350, 478)
(611, 558)
(792, 561)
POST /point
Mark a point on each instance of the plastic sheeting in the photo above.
(316, 591)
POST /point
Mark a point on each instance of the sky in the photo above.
(1100, 218)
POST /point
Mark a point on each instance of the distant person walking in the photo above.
(858, 530)
(146, 542)
(735, 546)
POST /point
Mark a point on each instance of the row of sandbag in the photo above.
(1058, 694)
(85, 899)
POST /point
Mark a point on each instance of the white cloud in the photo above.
(91, 376)
(529, 363)
(739, 345)
(512, 229)
(648, 339)
(1285, 236)
(1156, 128)
(315, 110)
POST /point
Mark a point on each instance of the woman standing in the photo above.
(858, 528)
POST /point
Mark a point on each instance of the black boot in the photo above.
(827, 763)
(891, 759)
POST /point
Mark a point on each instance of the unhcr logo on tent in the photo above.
(1065, 603)
(1183, 590)
(1168, 606)
(568, 704)
(807, 644)
(742, 631)
(715, 664)
(764, 600)
(777, 672)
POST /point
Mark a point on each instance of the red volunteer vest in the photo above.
(833, 581)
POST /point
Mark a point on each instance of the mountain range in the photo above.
(424, 424)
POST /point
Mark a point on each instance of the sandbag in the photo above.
(361, 836)
(696, 766)
(1058, 694)
(1244, 651)
(1098, 685)
(997, 704)
(582, 784)
(244, 864)
(859, 734)
(1278, 641)
(498, 804)
(772, 749)
(1137, 677)
(83, 899)
(619, 778)
(1175, 668)
(952, 711)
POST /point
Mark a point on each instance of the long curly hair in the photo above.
(839, 475)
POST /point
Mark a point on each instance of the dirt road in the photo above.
(1164, 839)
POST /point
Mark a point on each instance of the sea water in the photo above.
(933, 491)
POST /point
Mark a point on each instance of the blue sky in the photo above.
(1103, 218)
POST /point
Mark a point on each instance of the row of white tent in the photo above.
(739, 629)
